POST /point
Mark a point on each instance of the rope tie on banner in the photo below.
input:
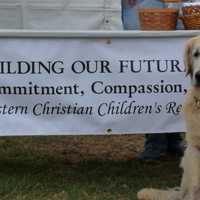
(109, 131)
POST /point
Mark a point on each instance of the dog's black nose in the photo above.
(197, 77)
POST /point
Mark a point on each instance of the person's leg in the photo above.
(155, 145)
(130, 16)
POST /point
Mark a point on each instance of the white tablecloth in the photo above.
(61, 14)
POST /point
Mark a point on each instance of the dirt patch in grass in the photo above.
(117, 148)
(77, 148)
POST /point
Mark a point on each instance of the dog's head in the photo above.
(192, 60)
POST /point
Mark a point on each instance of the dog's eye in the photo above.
(196, 54)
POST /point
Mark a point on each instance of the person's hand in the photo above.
(129, 2)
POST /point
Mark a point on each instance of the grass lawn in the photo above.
(34, 168)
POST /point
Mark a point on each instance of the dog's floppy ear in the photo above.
(187, 57)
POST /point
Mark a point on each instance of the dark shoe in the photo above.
(175, 144)
(177, 152)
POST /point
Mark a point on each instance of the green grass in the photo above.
(31, 169)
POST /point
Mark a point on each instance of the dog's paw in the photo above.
(145, 194)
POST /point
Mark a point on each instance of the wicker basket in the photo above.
(191, 22)
(158, 18)
(191, 17)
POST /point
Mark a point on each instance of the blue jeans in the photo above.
(130, 14)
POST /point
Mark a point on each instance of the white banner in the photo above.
(91, 86)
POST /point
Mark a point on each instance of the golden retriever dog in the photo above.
(190, 184)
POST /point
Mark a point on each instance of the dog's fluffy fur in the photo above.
(190, 184)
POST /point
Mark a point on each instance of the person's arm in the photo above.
(129, 2)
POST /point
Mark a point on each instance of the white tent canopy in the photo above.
(60, 14)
